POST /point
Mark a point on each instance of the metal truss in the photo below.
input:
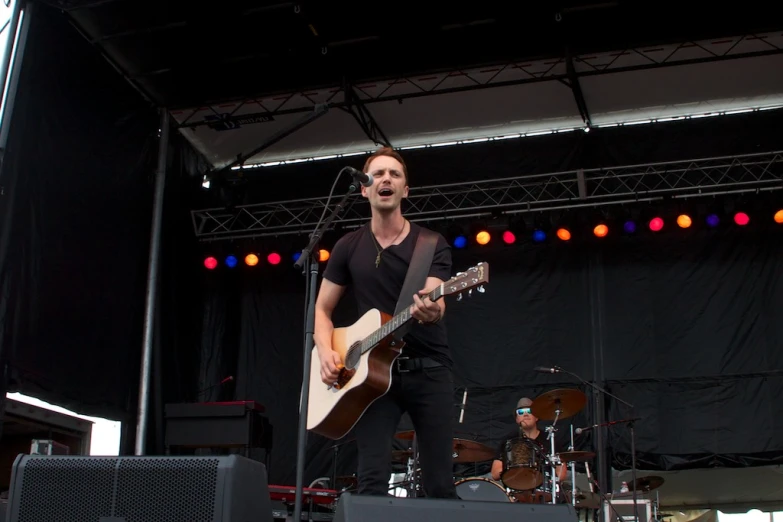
(566, 69)
(541, 192)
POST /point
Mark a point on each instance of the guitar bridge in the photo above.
(343, 378)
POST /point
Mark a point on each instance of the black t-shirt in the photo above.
(352, 262)
(542, 440)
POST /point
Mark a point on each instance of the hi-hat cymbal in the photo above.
(647, 483)
(470, 451)
(567, 401)
(401, 455)
(576, 456)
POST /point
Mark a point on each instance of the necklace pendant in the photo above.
(378, 260)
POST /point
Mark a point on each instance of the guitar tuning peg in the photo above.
(459, 296)
(481, 289)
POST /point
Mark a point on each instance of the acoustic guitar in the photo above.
(368, 350)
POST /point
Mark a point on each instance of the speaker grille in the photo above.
(66, 490)
(167, 490)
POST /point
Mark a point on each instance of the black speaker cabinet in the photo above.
(138, 489)
(354, 508)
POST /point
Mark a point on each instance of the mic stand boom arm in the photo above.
(630, 426)
(309, 264)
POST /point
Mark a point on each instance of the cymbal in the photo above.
(471, 451)
(576, 456)
(568, 401)
(647, 483)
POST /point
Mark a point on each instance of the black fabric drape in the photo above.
(691, 341)
(78, 167)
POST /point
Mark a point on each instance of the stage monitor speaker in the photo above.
(355, 508)
(138, 489)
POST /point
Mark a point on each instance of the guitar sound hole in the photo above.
(353, 356)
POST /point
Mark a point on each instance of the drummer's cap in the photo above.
(524, 402)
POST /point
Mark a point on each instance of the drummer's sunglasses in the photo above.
(522, 411)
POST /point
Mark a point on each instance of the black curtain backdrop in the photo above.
(76, 213)
(689, 337)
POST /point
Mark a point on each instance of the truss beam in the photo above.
(555, 69)
(541, 192)
(364, 118)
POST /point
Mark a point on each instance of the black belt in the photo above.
(411, 364)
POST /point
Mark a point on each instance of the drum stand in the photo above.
(573, 470)
(553, 458)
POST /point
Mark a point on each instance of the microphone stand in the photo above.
(633, 436)
(309, 265)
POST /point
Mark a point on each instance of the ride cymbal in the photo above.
(647, 483)
(568, 402)
(576, 456)
(470, 451)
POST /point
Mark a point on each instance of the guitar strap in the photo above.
(418, 270)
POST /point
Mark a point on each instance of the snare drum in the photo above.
(523, 464)
(475, 488)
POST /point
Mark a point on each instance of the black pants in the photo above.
(427, 395)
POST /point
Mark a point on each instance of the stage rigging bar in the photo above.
(526, 193)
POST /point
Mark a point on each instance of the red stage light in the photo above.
(210, 263)
(273, 258)
(564, 234)
(509, 237)
(656, 224)
(741, 219)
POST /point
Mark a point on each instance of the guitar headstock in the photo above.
(473, 277)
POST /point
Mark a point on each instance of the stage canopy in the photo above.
(240, 79)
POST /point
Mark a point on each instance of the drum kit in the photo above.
(529, 472)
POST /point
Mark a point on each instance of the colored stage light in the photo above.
(210, 263)
(629, 227)
(563, 234)
(509, 237)
(273, 258)
(539, 236)
(601, 230)
(231, 261)
(713, 220)
(251, 260)
(483, 237)
(741, 218)
(778, 217)
(323, 255)
(656, 224)
(684, 220)
(460, 242)
(296, 256)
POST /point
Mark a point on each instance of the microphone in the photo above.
(462, 408)
(542, 369)
(579, 431)
(363, 178)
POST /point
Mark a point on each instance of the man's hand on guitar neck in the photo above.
(330, 365)
(426, 311)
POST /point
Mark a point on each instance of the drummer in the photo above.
(527, 427)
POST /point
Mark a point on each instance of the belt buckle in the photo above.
(399, 368)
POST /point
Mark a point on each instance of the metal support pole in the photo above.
(11, 43)
(14, 49)
(152, 286)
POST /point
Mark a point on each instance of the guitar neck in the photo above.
(396, 322)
